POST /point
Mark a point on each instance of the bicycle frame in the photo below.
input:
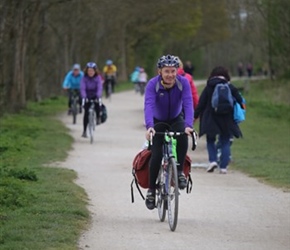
(167, 155)
(167, 187)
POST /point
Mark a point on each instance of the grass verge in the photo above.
(40, 207)
(124, 86)
(263, 153)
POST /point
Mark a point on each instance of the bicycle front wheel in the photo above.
(91, 127)
(172, 194)
(160, 196)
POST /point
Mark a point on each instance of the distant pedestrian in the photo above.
(240, 69)
(188, 68)
(265, 70)
(250, 70)
(214, 124)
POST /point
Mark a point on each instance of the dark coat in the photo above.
(213, 124)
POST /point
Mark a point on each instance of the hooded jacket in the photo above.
(167, 104)
(192, 86)
(71, 81)
(213, 124)
(91, 87)
(135, 76)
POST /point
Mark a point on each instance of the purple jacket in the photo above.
(91, 87)
(166, 105)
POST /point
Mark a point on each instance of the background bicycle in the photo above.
(142, 86)
(75, 104)
(109, 87)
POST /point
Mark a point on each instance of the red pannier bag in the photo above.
(140, 172)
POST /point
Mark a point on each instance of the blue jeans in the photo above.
(225, 149)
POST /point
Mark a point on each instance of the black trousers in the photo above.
(176, 125)
(113, 82)
(86, 115)
(71, 93)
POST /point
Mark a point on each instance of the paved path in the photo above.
(223, 212)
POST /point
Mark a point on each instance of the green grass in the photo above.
(124, 86)
(40, 207)
(264, 152)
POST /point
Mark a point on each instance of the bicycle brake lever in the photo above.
(151, 138)
(194, 140)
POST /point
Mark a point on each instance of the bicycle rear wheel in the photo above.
(160, 197)
(173, 194)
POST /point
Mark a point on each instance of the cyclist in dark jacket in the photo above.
(213, 124)
(168, 99)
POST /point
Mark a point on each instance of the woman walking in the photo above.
(213, 124)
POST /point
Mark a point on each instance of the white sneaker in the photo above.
(223, 171)
(212, 166)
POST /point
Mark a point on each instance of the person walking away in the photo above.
(91, 90)
(71, 84)
(219, 121)
(142, 79)
(110, 74)
(188, 68)
(135, 78)
(250, 70)
(194, 92)
(168, 100)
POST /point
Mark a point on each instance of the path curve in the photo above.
(223, 212)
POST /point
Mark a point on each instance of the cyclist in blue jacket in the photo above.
(71, 83)
(168, 99)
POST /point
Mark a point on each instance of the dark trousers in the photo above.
(86, 115)
(113, 82)
(225, 146)
(71, 93)
(176, 125)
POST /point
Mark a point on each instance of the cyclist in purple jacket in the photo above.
(91, 89)
(168, 99)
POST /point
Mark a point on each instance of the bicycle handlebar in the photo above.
(172, 134)
(97, 100)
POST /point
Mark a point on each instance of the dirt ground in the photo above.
(229, 211)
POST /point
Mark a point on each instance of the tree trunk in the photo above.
(17, 92)
(123, 60)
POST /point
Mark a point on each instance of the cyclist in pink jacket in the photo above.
(193, 88)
